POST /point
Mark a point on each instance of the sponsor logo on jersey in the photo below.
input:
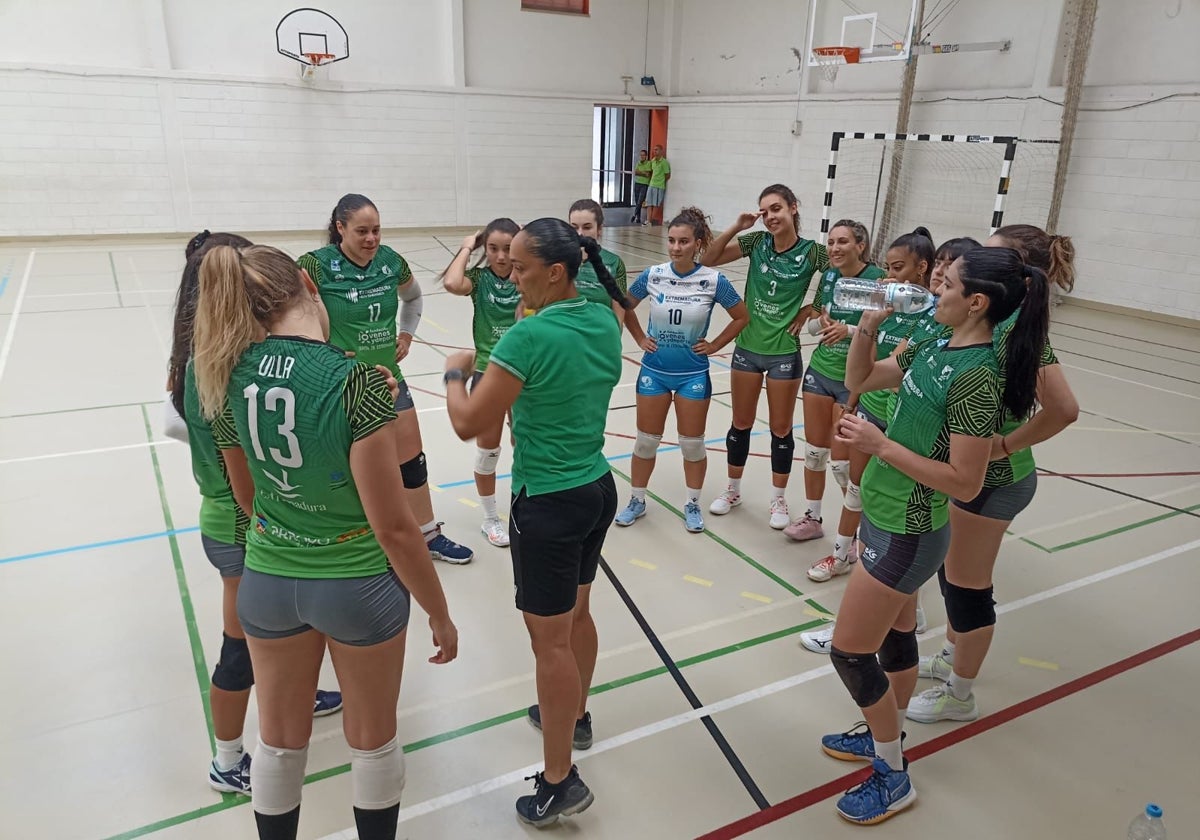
(351, 294)
(387, 270)
(647, 381)
(870, 554)
(945, 375)
(335, 265)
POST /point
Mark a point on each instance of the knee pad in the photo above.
(414, 473)
(841, 473)
(377, 776)
(277, 778)
(969, 609)
(899, 651)
(737, 443)
(234, 672)
(862, 675)
(646, 446)
(782, 450)
(486, 460)
(815, 457)
(853, 500)
(692, 448)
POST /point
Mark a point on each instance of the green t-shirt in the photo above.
(831, 361)
(659, 170)
(589, 285)
(220, 517)
(495, 300)
(569, 359)
(361, 301)
(295, 406)
(642, 171)
(775, 288)
(1020, 464)
(945, 391)
(895, 329)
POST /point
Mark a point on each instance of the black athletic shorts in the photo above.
(555, 541)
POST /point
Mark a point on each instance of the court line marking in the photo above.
(6, 347)
(469, 792)
(1130, 381)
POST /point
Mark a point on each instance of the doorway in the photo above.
(618, 134)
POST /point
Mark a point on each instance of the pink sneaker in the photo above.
(805, 529)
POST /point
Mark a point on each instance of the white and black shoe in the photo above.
(549, 802)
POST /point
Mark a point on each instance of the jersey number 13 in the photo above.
(274, 400)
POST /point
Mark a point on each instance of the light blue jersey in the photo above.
(680, 310)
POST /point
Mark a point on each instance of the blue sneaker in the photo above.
(234, 780)
(327, 703)
(884, 794)
(855, 745)
(692, 520)
(447, 550)
(634, 511)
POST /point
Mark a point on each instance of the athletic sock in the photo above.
(959, 687)
(376, 824)
(901, 717)
(814, 509)
(639, 493)
(229, 753)
(841, 546)
(891, 752)
(948, 651)
(429, 530)
(735, 486)
(693, 495)
(777, 492)
(278, 826)
(489, 506)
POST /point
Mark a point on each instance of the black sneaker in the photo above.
(583, 727)
(549, 802)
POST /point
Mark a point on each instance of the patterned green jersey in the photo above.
(925, 328)
(895, 328)
(775, 288)
(220, 517)
(589, 284)
(495, 300)
(945, 391)
(361, 300)
(295, 407)
(831, 361)
(1020, 464)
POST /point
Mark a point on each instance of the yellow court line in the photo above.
(762, 599)
(697, 580)
(435, 324)
(1037, 663)
(642, 564)
(818, 614)
(468, 502)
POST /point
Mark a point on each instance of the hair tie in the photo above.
(202, 237)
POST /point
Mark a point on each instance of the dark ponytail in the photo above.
(919, 243)
(1002, 275)
(346, 207)
(592, 248)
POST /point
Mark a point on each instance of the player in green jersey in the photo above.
(495, 298)
(782, 265)
(222, 536)
(642, 171)
(334, 549)
(556, 371)
(978, 526)
(363, 282)
(936, 447)
(587, 217)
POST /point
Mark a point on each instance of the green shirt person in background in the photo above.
(556, 372)
(656, 193)
(641, 182)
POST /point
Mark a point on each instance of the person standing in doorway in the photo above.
(656, 193)
(641, 183)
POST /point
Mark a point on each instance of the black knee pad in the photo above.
(782, 451)
(969, 609)
(737, 443)
(862, 676)
(234, 672)
(414, 472)
(899, 651)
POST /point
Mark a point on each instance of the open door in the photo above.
(618, 135)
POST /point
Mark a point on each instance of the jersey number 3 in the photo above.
(271, 402)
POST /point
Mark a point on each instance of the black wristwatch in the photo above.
(455, 375)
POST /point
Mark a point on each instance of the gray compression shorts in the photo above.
(1003, 503)
(228, 559)
(901, 561)
(784, 366)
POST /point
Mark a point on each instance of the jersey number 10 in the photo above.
(271, 402)
(675, 317)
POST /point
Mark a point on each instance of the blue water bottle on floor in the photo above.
(1148, 825)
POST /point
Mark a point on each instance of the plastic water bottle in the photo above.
(1148, 825)
(863, 295)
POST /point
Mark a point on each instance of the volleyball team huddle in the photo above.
(285, 380)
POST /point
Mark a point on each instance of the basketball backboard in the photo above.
(312, 37)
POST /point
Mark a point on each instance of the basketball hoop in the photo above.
(313, 60)
(830, 59)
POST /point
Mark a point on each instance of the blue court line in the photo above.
(3, 284)
(158, 535)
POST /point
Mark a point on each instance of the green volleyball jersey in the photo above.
(775, 288)
(296, 406)
(642, 172)
(361, 300)
(1020, 464)
(569, 360)
(831, 361)
(945, 391)
(495, 300)
(220, 517)
(589, 284)
(895, 328)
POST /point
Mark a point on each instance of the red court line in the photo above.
(935, 745)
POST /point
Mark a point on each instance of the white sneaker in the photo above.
(922, 624)
(495, 532)
(819, 640)
(829, 567)
(939, 704)
(779, 513)
(726, 502)
(935, 668)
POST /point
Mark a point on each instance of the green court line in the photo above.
(76, 410)
(1121, 530)
(116, 283)
(233, 801)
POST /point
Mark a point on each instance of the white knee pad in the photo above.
(486, 460)
(646, 446)
(815, 457)
(277, 779)
(377, 776)
(692, 448)
(853, 500)
(841, 473)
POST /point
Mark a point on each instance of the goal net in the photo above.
(955, 185)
